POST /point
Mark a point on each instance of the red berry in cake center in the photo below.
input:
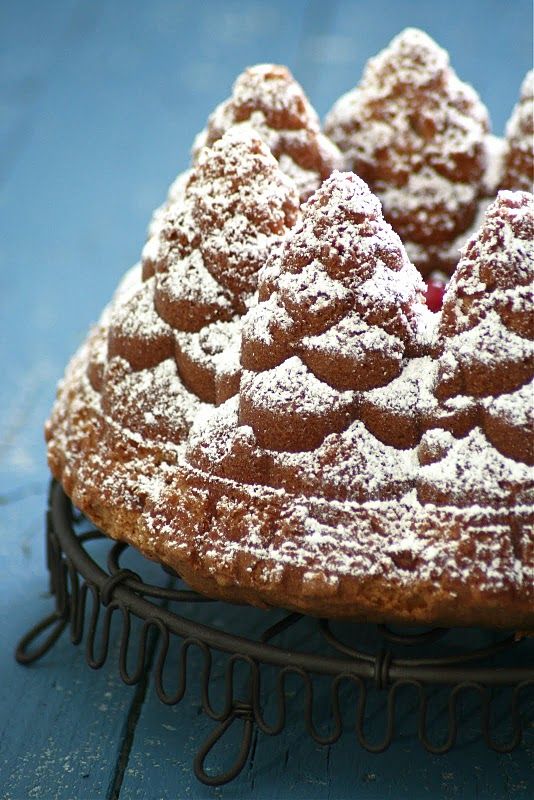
(435, 289)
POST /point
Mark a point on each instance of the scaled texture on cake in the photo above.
(268, 405)
(267, 97)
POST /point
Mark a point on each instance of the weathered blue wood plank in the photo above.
(62, 725)
(27, 59)
(166, 740)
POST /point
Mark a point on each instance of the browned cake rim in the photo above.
(199, 527)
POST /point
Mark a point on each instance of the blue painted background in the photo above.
(99, 103)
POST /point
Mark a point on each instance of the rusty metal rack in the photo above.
(89, 595)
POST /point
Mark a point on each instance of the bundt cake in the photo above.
(269, 405)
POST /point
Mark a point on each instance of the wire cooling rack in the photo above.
(157, 625)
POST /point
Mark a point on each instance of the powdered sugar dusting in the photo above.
(299, 463)
(516, 408)
(519, 156)
(410, 393)
(268, 99)
(472, 463)
(487, 311)
(135, 315)
(175, 194)
(417, 135)
(424, 190)
(501, 251)
(353, 334)
(191, 282)
(289, 383)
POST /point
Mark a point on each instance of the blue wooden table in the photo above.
(99, 103)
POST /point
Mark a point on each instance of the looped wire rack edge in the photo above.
(88, 597)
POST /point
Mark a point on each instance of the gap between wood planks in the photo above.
(134, 712)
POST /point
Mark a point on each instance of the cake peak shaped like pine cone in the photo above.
(519, 155)
(235, 206)
(496, 267)
(487, 325)
(338, 310)
(267, 97)
(412, 58)
(344, 236)
(416, 134)
(236, 202)
(272, 89)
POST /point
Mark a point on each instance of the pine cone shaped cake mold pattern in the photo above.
(267, 97)
(268, 405)
(518, 172)
(419, 136)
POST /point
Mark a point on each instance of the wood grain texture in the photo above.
(99, 103)
(292, 764)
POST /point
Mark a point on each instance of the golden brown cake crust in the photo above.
(325, 444)
(270, 99)
(519, 151)
(202, 527)
(249, 525)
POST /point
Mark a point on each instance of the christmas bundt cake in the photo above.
(269, 405)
